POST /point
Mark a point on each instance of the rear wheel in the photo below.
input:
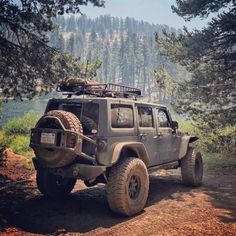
(54, 185)
(128, 185)
(192, 168)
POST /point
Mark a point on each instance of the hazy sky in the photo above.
(152, 11)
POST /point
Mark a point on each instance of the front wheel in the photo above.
(127, 187)
(192, 168)
(53, 185)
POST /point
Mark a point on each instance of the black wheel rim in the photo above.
(134, 187)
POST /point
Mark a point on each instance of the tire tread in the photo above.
(116, 185)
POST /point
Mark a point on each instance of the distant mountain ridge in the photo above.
(126, 47)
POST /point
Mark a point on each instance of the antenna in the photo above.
(86, 68)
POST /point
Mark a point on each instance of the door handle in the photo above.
(142, 136)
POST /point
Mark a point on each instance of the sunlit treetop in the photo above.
(25, 57)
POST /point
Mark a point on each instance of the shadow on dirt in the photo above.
(84, 210)
(13, 193)
(87, 209)
(223, 199)
(221, 187)
(81, 211)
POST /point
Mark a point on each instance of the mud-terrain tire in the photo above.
(58, 157)
(128, 186)
(192, 168)
(88, 124)
(52, 185)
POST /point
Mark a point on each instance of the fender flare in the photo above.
(136, 147)
(185, 141)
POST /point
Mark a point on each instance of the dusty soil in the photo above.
(172, 209)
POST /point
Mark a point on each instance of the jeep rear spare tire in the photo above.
(128, 185)
(58, 157)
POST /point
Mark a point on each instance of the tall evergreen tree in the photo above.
(71, 44)
(210, 56)
(25, 56)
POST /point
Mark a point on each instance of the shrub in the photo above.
(15, 134)
(5, 140)
(221, 141)
(21, 125)
(20, 144)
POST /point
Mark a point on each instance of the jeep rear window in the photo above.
(122, 116)
(88, 109)
(145, 116)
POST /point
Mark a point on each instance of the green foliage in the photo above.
(219, 160)
(16, 134)
(21, 125)
(165, 82)
(20, 145)
(26, 60)
(88, 70)
(209, 55)
(220, 140)
(189, 9)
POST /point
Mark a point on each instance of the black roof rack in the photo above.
(99, 90)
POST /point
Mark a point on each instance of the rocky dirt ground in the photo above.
(172, 209)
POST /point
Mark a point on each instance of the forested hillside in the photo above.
(126, 47)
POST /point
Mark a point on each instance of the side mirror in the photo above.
(175, 125)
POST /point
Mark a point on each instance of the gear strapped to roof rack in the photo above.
(98, 90)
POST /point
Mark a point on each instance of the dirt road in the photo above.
(172, 209)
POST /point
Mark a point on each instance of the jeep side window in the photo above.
(163, 119)
(145, 116)
(122, 116)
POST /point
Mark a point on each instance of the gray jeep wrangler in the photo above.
(101, 133)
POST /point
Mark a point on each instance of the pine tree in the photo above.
(71, 44)
(25, 55)
(209, 54)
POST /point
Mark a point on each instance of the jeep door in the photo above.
(147, 132)
(168, 142)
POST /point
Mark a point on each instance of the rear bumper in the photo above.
(64, 140)
(76, 170)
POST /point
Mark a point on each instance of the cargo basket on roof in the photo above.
(99, 90)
